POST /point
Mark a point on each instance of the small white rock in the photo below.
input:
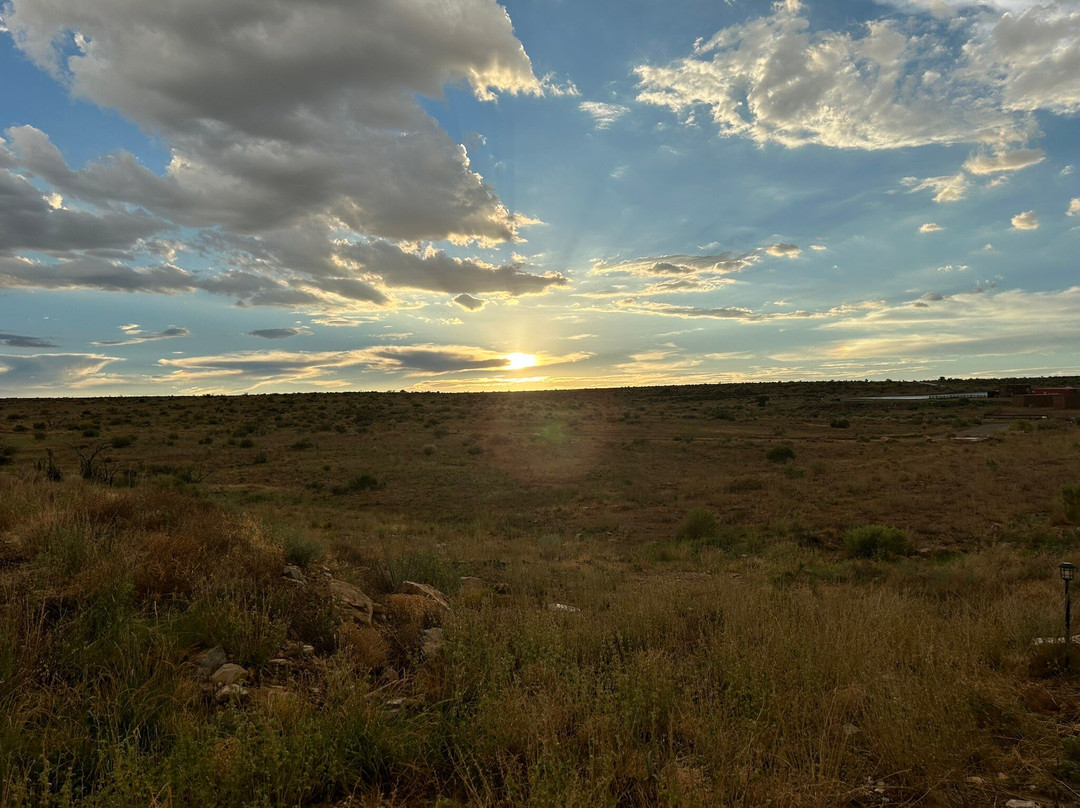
(233, 692)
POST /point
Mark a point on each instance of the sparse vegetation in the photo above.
(615, 641)
(700, 524)
(780, 454)
(876, 541)
(1070, 499)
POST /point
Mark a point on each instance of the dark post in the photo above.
(1067, 571)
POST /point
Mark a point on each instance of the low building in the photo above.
(1059, 398)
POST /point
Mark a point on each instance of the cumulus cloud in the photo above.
(784, 250)
(930, 227)
(893, 84)
(288, 128)
(1028, 220)
(21, 341)
(434, 270)
(603, 115)
(278, 333)
(1074, 207)
(90, 272)
(287, 270)
(29, 221)
(134, 335)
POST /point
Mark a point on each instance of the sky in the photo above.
(244, 196)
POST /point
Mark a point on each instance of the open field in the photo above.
(713, 595)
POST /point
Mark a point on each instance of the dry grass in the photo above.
(725, 651)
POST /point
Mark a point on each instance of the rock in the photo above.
(472, 584)
(229, 674)
(502, 589)
(354, 602)
(413, 588)
(562, 607)
(293, 573)
(1021, 804)
(231, 693)
(293, 649)
(433, 644)
(209, 661)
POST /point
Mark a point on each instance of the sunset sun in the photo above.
(517, 361)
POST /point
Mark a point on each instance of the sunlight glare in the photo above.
(517, 361)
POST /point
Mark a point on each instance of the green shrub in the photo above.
(780, 454)
(299, 549)
(839, 423)
(699, 524)
(6, 454)
(122, 441)
(876, 541)
(361, 482)
(259, 458)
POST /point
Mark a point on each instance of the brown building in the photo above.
(1060, 398)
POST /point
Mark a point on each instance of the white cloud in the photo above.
(983, 322)
(894, 84)
(1028, 220)
(1074, 207)
(695, 266)
(1004, 161)
(603, 115)
(930, 227)
(951, 188)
